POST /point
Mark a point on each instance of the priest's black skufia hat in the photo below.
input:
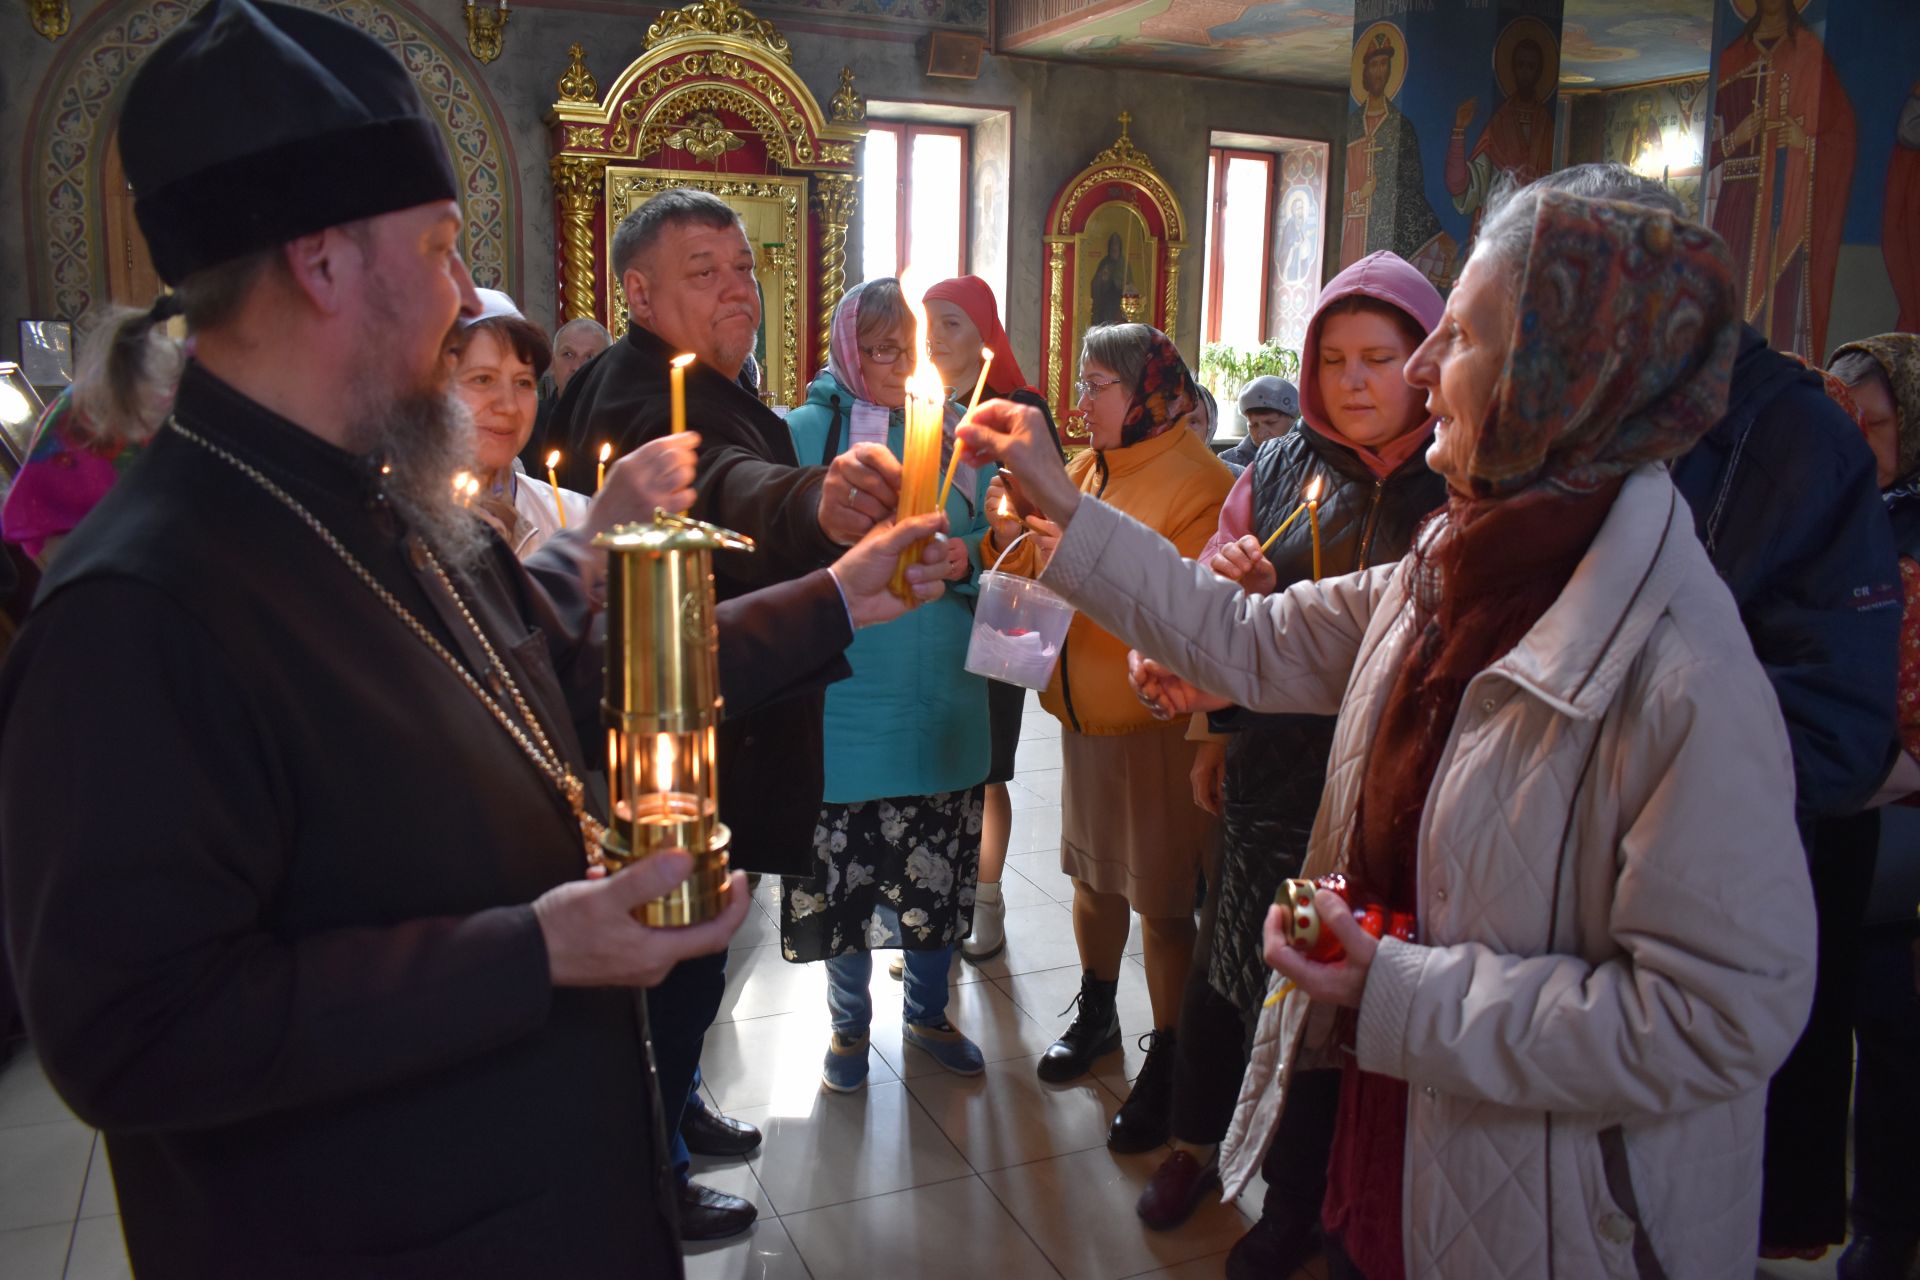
(258, 123)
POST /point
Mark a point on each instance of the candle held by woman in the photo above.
(600, 472)
(678, 379)
(953, 464)
(553, 479)
(1313, 522)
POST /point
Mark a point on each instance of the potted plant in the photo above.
(1226, 370)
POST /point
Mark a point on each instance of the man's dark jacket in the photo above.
(1784, 498)
(267, 870)
(748, 480)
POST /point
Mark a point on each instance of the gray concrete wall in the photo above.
(1061, 115)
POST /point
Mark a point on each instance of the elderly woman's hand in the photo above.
(1046, 536)
(1243, 562)
(657, 474)
(1166, 694)
(1016, 436)
(861, 490)
(1344, 981)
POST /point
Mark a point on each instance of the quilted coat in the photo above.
(1616, 938)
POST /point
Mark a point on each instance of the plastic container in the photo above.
(1019, 627)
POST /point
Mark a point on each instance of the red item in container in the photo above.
(1303, 925)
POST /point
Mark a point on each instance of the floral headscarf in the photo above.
(1166, 395)
(1624, 336)
(1898, 355)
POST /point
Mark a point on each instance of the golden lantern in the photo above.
(662, 705)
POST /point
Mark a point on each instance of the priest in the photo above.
(293, 827)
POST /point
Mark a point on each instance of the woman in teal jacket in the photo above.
(897, 848)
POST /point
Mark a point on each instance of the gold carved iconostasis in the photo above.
(1114, 237)
(713, 103)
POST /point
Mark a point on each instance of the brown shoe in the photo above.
(1174, 1191)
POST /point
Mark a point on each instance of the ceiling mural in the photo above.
(1309, 42)
(1614, 42)
(968, 14)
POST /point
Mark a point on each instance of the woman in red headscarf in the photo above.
(963, 320)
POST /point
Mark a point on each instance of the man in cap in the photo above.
(1271, 406)
(292, 816)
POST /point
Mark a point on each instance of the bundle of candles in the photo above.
(920, 455)
(1311, 505)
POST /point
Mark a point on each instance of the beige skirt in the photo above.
(1128, 823)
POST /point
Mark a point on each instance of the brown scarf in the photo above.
(1480, 586)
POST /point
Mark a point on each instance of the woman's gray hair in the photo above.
(1508, 230)
(1507, 234)
(1856, 367)
(1122, 348)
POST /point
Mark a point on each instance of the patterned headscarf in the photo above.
(843, 344)
(1898, 355)
(1166, 395)
(1624, 336)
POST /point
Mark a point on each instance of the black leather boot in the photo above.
(1094, 1033)
(1142, 1122)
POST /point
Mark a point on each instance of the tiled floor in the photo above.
(921, 1175)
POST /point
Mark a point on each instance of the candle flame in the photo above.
(1313, 490)
(684, 359)
(606, 451)
(460, 479)
(663, 756)
(1006, 507)
(553, 459)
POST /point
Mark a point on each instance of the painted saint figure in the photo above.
(1385, 205)
(1109, 283)
(1780, 167)
(1643, 135)
(1518, 140)
(1900, 223)
(1299, 255)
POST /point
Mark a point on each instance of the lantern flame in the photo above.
(663, 758)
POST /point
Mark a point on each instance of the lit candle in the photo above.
(1313, 522)
(678, 376)
(920, 447)
(1005, 508)
(600, 473)
(553, 478)
(953, 463)
(1275, 535)
(461, 494)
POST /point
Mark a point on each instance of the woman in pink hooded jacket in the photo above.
(1360, 448)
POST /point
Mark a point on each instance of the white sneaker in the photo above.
(989, 937)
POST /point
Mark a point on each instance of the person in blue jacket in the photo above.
(1785, 499)
(897, 847)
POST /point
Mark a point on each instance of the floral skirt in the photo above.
(888, 873)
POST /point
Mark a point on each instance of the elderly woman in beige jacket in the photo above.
(1556, 749)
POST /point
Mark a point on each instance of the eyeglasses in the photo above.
(884, 354)
(1086, 388)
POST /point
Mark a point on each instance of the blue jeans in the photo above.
(849, 977)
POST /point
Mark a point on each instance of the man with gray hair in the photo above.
(574, 343)
(687, 269)
(1784, 497)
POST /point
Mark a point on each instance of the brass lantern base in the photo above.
(699, 898)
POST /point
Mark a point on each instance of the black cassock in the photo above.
(267, 865)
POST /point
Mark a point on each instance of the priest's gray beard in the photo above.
(424, 432)
(426, 436)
